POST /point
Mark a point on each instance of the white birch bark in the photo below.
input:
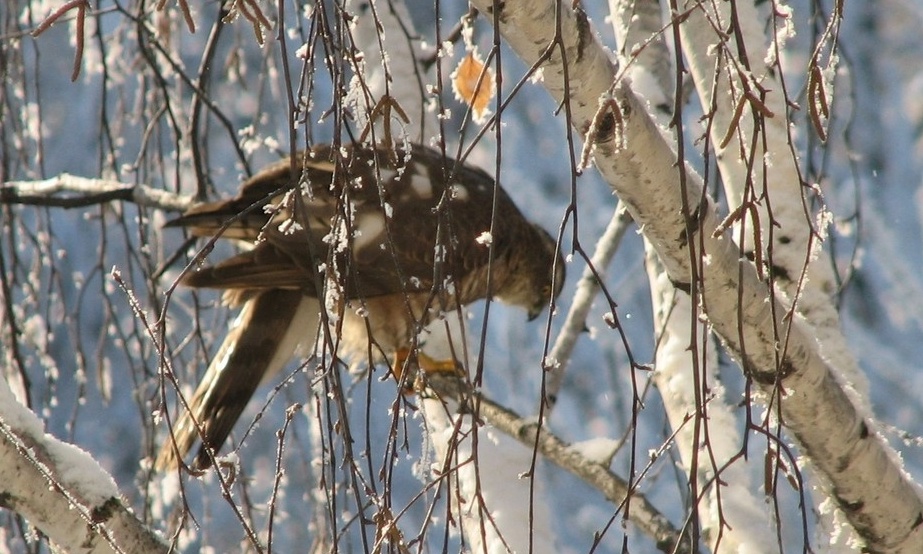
(732, 517)
(643, 52)
(62, 490)
(388, 69)
(861, 472)
(753, 165)
(759, 160)
(496, 507)
(707, 435)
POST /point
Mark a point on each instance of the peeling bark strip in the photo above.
(863, 474)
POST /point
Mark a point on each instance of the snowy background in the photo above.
(870, 172)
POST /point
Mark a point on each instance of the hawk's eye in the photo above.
(546, 291)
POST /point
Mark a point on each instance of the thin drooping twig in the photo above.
(81, 7)
(82, 192)
(223, 481)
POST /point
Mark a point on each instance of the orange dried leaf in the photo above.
(473, 84)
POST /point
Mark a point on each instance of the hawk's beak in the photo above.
(535, 312)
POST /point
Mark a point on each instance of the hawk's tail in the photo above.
(270, 327)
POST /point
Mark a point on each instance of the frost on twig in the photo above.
(71, 191)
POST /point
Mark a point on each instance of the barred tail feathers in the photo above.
(270, 328)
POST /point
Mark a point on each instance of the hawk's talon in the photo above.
(404, 358)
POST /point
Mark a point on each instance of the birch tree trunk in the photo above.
(764, 183)
(730, 516)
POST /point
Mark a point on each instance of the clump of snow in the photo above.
(290, 227)
(785, 29)
(599, 450)
(73, 467)
(79, 472)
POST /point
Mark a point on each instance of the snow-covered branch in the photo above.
(595, 472)
(61, 490)
(587, 289)
(81, 192)
(668, 202)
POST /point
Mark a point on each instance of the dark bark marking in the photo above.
(584, 32)
(693, 222)
(682, 285)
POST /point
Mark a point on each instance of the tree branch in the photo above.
(587, 289)
(596, 474)
(61, 490)
(88, 192)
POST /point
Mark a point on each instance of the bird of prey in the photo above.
(383, 240)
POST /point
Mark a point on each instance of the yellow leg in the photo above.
(403, 358)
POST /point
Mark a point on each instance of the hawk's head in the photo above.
(537, 276)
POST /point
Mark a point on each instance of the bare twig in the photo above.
(81, 7)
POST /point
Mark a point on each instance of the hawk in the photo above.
(383, 240)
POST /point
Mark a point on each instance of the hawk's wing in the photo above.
(385, 222)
